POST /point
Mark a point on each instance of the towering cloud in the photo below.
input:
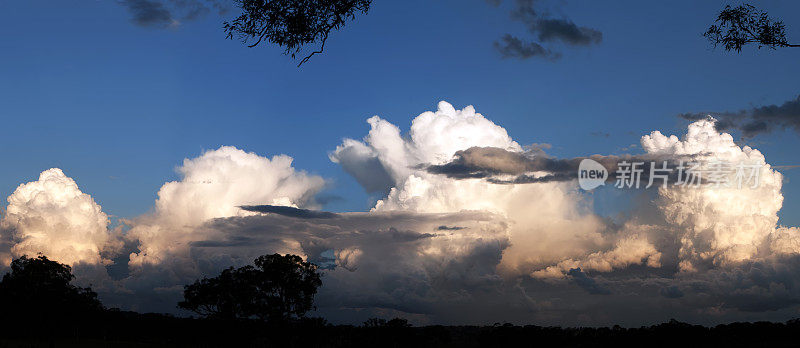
(52, 216)
(725, 223)
(538, 214)
(468, 230)
(215, 185)
(434, 138)
(214, 218)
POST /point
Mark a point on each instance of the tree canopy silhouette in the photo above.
(41, 287)
(292, 24)
(741, 25)
(277, 288)
(378, 322)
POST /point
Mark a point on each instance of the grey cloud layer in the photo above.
(550, 29)
(406, 264)
(511, 46)
(495, 165)
(161, 14)
(396, 261)
(544, 29)
(754, 121)
(289, 211)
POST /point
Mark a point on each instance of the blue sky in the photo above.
(118, 106)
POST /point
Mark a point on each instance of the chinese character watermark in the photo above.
(634, 174)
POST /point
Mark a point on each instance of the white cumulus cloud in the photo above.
(54, 217)
(440, 248)
(717, 225)
(214, 185)
(548, 221)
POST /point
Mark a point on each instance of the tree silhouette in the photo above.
(286, 286)
(292, 24)
(41, 287)
(741, 25)
(277, 288)
(374, 322)
(378, 322)
(225, 296)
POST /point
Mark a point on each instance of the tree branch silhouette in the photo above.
(744, 24)
(292, 24)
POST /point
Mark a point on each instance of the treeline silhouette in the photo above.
(265, 305)
(279, 288)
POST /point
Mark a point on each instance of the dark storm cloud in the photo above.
(161, 14)
(532, 179)
(325, 198)
(566, 31)
(379, 260)
(511, 46)
(671, 292)
(586, 283)
(449, 228)
(367, 170)
(752, 286)
(545, 29)
(551, 29)
(148, 13)
(235, 241)
(482, 162)
(289, 211)
(495, 165)
(452, 276)
(754, 121)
